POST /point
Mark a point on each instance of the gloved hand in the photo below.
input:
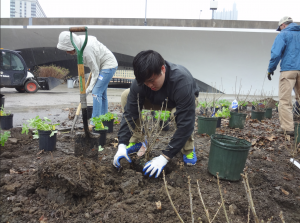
(86, 92)
(269, 75)
(122, 153)
(156, 164)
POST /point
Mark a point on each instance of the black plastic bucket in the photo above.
(237, 120)
(46, 142)
(102, 138)
(207, 125)
(110, 125)
(297, 132)
(89, 111)
(227, 156)
(219, 122)
(6, 122)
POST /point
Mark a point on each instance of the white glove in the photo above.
(156, 164)
(122, 153)
(87, 92)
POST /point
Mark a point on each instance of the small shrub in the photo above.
(51, 71)
(3, 112)
(4, 137)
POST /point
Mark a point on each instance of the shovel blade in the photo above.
(86, 146)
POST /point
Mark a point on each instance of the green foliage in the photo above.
(242, 103)
(4, 137)
(109, 116)
(163, 115)
(98, 122)
(224, 113)
(224, 103)
(39, 124)
(276, 104)
(3, 112)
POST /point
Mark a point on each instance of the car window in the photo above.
(16, 63)
(5, 61)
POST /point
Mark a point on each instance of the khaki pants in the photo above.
(288, 80)
(189, 145)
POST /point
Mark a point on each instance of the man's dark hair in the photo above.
(287, 23)
(147, 63)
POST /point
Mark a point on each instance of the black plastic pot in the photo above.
(268, 113)
(110, 125)
(219, 122)
(2, 102)
(46, 142)
(89, 111)
(6, 122)
(253, 108)
(259, 115)
(207, 125)
(237, 120)
(102, 138)
(276, 109)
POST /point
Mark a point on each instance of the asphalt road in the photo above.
(52, 104)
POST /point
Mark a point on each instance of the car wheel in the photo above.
(31, 86)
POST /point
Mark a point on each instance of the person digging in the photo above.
(155, 81)
(102, 64)
(286, 48)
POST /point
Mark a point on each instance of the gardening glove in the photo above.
(122, 153)
(155, 165)
(87, 92)
(269, 75)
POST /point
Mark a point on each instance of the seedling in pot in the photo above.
(163, 115)
(98, 122)
(39, 124)
(224, 113)
(4, 137)
(109, 116)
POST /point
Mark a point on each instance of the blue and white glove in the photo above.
(155, 165)
(122, 153)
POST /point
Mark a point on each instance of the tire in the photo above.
(31, 86)
(20, 89)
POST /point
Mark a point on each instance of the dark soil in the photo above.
(65, 188)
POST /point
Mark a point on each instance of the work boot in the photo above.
(190, 159)
(133, 147)
(281, 131)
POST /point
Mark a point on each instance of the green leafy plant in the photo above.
(276, 104)
(146, 113)
(224, 113)
(98, 122)
(4, 137)
(109, 116)
(224, 103)
(3, 112)
(163, 115)
(38, 124)
(242, 103)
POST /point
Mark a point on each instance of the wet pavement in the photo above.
(53, 104)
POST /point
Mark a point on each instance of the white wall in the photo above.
(5, 8)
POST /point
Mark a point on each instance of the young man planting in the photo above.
(158, 80)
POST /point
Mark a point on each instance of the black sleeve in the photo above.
(131, 112)
(184, 117)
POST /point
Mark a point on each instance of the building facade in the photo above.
(26, 9)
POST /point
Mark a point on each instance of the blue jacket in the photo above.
(286, 48)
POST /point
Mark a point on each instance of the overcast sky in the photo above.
(264, 10)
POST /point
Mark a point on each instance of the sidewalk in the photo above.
(51, 104)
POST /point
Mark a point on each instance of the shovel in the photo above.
(85, 144)
(79, 106)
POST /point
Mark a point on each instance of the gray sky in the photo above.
(264, 10)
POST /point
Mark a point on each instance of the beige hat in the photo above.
(283, 20)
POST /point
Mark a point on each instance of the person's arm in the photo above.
(90, 60)
(131, 112)
(276, 52)
(185, 119)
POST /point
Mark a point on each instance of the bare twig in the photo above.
(166, 187)
(224, 208)
(249, 196)
(216, 212)
(191, 199)
(281, 217)
(205, 209)
(248, 213)
(270, 219)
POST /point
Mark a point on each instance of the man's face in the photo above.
(283, 26)
(155, 82)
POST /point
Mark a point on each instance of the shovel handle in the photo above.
(78, 29)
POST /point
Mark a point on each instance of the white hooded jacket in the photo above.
(96, 56)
